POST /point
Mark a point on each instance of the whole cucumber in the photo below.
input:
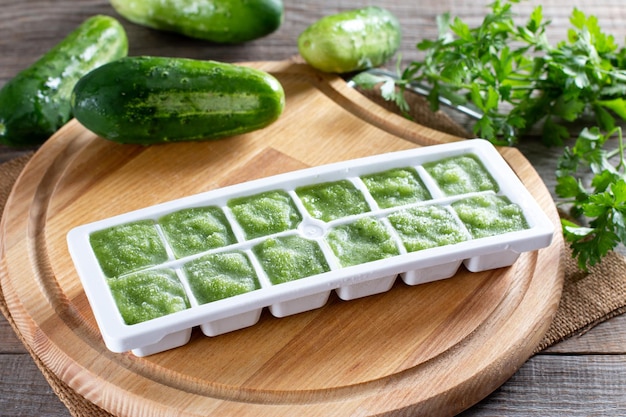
(222, 21)
(36, 102)
(351, 41)
(149, 100)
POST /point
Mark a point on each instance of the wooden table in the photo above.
(584, 375)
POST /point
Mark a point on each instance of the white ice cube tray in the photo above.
(237, 312)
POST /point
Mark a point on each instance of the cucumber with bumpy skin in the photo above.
(36, 102)
(222, 21)
(351, 41)
(149, 100)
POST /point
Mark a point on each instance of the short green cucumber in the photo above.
(148, 100)
(349, 41)
(36, 102)
(221, 21)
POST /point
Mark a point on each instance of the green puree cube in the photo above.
(427, 227)
(461, 175)
(146, 295)
(221, 275)
(290, 257)
(128, 247)
(396, 187)
(490, 215)
(265, 214)
(332, 200)
(365, 240)
(196, 230)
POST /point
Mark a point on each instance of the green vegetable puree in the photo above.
(146, 295)
(265, 214)
(332, 200)
(128, 247)
(196, 230)
(396, 187)
(365, 240)
(489, 215)
(426, 227)
(289, 258)
(216, 276)
(461, 175)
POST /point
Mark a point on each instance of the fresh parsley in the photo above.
(602, 200)
(518, 80)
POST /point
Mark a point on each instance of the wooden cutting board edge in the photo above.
(359, 105)
(496, 370)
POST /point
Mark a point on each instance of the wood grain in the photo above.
(546, 387)
(37, 398)
(29, 28)
(411, 349)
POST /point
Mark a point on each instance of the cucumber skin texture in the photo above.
(36, 102)
(220, 21)
(150, 100)
(351, 41)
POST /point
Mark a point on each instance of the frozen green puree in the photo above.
(128, 247)
(290, 257)
(365, 240)
(265, 214)
(146, 295)
(220, 275)
(332, 200)
(396, 187)
(461, 175)
(196, 230)
(426, 227)
(489, 215)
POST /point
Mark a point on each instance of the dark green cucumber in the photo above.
(36, 102)
(223, 21)
(148, 100)
(351, 41)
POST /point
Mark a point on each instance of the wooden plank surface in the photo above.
(589, 369)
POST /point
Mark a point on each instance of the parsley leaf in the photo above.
(518, 80)
(603, 202)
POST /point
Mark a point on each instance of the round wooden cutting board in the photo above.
(432, 349)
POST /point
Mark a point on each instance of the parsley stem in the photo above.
(620, 148)
(518, 80)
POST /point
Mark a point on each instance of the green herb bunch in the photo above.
(602, 201)
(518, 81)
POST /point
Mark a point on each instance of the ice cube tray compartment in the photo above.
(292, 201)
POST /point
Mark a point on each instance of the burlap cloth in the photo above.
(587, 299)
